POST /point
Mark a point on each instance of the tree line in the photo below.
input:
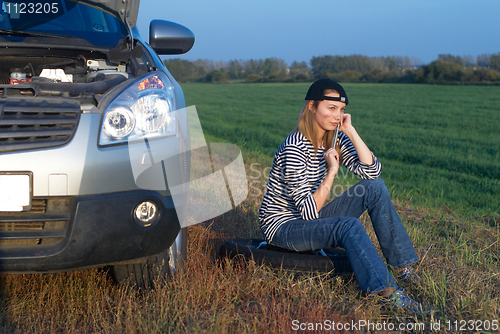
(354, 68)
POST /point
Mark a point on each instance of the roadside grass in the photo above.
(459, 267)
(458, 244)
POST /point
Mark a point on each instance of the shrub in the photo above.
(444, 72)
(301, 77)
(375, 75)
(253, 78)
(216, 76)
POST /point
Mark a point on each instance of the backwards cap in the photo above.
(317, 89)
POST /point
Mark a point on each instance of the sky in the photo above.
(297, 30)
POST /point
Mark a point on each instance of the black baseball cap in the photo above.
(317, 89)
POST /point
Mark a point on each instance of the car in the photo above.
(81, 94)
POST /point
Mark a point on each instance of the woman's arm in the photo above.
(364, 153)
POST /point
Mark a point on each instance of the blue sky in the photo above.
(297, 30)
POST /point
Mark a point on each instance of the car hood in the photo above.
(124, 10)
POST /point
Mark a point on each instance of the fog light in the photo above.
(146, 213)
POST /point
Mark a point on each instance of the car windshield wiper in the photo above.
(20, 33)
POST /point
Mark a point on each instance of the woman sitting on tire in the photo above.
(293, 213)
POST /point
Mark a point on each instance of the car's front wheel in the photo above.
(146, 272)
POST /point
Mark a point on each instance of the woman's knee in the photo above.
(378, 185)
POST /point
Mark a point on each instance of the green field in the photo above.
(439, 145)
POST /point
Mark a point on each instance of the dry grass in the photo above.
(459, 266)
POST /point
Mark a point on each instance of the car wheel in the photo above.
(143, 273)
(330, 260)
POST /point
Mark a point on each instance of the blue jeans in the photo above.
(339, 226)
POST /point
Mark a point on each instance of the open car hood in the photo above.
(124, 10)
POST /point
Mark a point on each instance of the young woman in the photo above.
(294, 214)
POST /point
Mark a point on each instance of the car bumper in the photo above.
(76, 232)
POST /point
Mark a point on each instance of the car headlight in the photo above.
(144, 109)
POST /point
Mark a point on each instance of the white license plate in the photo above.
(15, 192)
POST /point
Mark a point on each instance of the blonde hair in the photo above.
(308, 128)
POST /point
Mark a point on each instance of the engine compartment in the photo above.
(73, 74)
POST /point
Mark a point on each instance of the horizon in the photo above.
(215, 62)
(298, 30)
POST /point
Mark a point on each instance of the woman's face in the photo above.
(329, 113)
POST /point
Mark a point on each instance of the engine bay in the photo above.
(75, 74)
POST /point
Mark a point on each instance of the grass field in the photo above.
(439, 147)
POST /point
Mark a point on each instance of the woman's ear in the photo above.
(311, 103)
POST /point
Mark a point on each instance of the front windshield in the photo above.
(62, 17)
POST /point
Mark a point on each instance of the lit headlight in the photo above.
(144, 109)
(119, 123)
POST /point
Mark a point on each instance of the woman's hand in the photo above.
(332, 160)
(346, 125)
(332, 163)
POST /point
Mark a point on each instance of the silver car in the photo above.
(80, 90)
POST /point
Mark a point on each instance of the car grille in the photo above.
(45, 224)
(32, 123)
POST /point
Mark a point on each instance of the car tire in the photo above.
(144, 273)
(335, 261)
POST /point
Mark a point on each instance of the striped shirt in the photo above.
(296, 174)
